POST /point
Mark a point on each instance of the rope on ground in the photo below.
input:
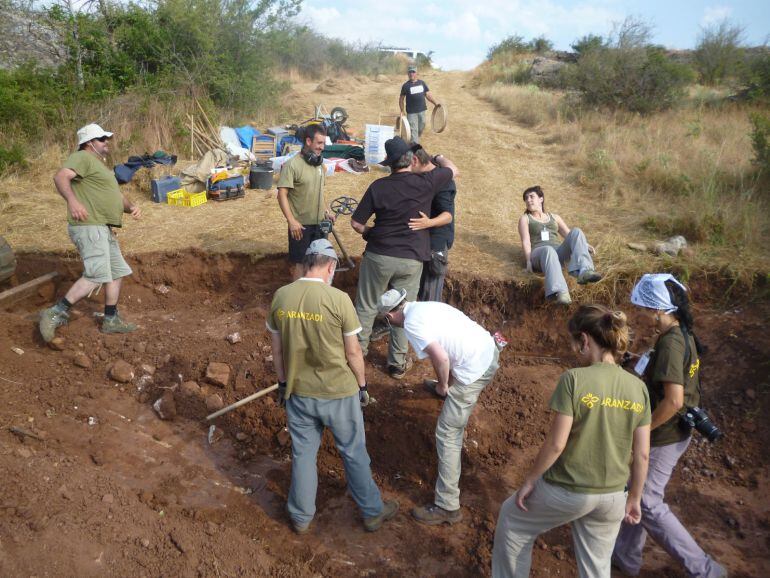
(438, 121)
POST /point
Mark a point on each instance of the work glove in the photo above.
(282, 393)
(363, 396)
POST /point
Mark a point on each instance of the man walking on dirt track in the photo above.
(395, 253)
(465, 358)
(414, 92)
(301, 196)
(95, 206)
(321, 380)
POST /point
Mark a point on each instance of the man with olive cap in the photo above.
(321, 381)
(465, 359)
(95, 208)
(394, 252)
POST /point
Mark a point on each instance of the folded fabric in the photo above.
(125, 172)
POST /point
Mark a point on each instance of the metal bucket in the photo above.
(261, 176)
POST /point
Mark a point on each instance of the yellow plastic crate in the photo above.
(176, 197)
(194, 199)
(182, 198)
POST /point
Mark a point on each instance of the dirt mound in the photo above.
(102, 485)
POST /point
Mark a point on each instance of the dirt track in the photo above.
(132, 495)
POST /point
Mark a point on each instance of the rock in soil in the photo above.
(121, 371)
(190, 388)
(218, 374)
(234, 338)
(147, 369)
(165, 406)
(214, 402)
(82, 360)
(57, 344)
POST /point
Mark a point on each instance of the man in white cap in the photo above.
(95, 208)
(465, 358)
(414, 93)
(322, 382)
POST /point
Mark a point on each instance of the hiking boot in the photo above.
(433, 515)
(399, 371)
(300, 528)
(588, 276)
(49, 320)
(379, 331)
(389, 510)
(560, 298)
(114, 324)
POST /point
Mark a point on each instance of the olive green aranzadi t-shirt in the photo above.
(607, 404)
(306, 185)
(312, 319)
(97, 188)
(667, 365)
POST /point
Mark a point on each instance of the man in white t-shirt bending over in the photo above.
(465, 358)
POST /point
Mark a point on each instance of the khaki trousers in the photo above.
(595, 521)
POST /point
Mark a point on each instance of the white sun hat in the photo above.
(90, 132)
(390, 300)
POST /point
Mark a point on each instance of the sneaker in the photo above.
(434, 515)
(399, 371)
(50, 319)
(560, 298)
(588, 276)
(389, 510)
(300, 528)
(379, 331)
(115, 324)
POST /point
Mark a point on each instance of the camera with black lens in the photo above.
(696, 418)
(325, 226)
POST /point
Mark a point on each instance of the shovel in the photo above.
(244, 401)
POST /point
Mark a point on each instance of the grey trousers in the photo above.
(595, 520)
(377, 274)
(432, 286)
(306, 418)
(450, 428)
(548, 260)
(661, 523)
(416, 122)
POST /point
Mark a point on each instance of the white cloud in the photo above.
(715, 14)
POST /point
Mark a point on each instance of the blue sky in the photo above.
(460, 31)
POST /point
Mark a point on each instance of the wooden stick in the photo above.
(244, 401)
(22, 290)
(214, 131)
(192, 135)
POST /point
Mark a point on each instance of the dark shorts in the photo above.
(297, 248)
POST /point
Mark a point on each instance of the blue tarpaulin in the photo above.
(245, 134)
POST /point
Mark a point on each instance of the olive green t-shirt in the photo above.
(312, 319)
(306, 185)
(536, 230)
(607, 404)
(667, 364)
(97, 188)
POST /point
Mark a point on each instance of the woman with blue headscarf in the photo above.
(671, 372)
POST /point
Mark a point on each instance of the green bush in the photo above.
(587, 43)
(629, 73)
(11, 157)
(760, 141)
(718, 54)
(757, 76)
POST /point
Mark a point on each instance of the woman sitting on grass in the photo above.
(602, 414)
(543, 252)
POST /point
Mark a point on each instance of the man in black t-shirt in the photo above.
(441, 226)
(394, 252)
(414, 92)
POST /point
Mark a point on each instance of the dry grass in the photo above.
(498, 159)
(685, 171)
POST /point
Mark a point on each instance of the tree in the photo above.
(718, 53)
(587, 43)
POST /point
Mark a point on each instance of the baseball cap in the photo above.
(90, 132)
(321, 247)
(412, 69)
(390, 300)
(395, 148)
